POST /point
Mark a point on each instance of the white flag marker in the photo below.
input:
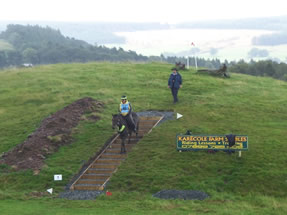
(57, 177)
(178, 115)
(50, 190)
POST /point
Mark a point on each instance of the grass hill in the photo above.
(248, 105)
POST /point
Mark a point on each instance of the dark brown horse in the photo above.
(180, 66)
(124, 129)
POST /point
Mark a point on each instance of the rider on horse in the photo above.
(125, 110)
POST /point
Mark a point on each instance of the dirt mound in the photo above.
(53, 132)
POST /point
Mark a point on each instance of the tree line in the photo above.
(267, 68)
(38, 45)
(261, 68)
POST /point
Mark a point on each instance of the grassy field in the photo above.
(253, 106)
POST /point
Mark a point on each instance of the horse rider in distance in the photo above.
(125, 110)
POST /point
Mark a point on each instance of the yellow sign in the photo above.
(211, 142)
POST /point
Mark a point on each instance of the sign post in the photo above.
(211, 142)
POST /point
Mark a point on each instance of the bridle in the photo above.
(118, 123)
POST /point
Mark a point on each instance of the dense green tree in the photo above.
(13, 57)
(30, 55)
(261, 68)
(3, 59)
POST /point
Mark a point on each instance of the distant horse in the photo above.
(180, 66)
(126, 131)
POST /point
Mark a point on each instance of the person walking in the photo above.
(174, 83)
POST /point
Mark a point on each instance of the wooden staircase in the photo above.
(101, 169)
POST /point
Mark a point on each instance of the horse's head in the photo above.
(116, 120)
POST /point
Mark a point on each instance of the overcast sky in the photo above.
(164, 11)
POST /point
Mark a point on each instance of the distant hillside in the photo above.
(38, 45)
(100, 33)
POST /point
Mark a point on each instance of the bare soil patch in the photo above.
(53, 132)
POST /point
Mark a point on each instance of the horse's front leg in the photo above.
(123, 148)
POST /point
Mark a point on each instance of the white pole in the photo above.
(187, 62)
(195, 60)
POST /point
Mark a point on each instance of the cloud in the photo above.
(271, 39)
(213, 51)
(255, 52)
(138, 11)
(190, 52)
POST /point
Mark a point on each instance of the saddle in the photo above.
(130, 121)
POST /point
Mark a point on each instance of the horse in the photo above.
(119, 121)
(180, 66)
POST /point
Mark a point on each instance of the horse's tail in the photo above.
(138, 127)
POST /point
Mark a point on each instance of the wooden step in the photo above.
(142, 134)
(132, 141)
(100, 170)
(150, 118)
(144, 131)
(119, 145)
(105, 166)
(118, 150)
(88, 187)
(113, 155)
(147, 123)
(141, 131)
(145, 127)
(91, 181)
(109, 160)
(96, 176)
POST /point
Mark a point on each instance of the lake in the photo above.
(208, 43)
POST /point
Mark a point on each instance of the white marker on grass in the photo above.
(57, 177)
(50, 190)
(178, 115)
